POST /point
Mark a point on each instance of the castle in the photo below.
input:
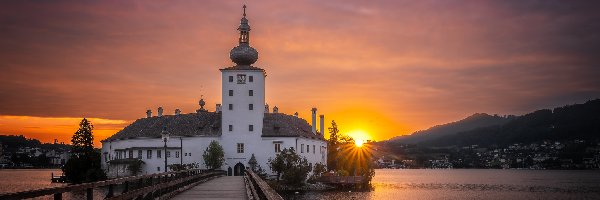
(243, 125)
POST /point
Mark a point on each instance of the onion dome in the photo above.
(244, 54)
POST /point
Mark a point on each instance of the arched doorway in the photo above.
(238, 169)
(229, 173)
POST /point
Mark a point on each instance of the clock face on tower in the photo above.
(241, 78)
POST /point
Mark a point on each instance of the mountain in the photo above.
(579, 121)
(477, 120)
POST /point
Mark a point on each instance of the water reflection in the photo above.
(472, 184)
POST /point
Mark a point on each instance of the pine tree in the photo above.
(84, 164)
(253, 163)
(83, 139)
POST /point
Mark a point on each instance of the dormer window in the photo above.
(241, 78)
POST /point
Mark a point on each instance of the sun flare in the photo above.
(360, 137)
(358, 142)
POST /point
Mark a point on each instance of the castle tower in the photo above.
(243, 89)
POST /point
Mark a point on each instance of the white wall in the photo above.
(262, 147)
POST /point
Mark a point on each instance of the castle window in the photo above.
(158, 169)
(277, 147)
(130, 153)
(158, 153)
(149, 154)
(251, 92)
(302, 148)
(251, 128)
(177, 154)
(230, 93)
(230, 106)
(313, 149)
(308, 148)
(140, 154)
(240, 147)
(250, 106)
(241, 78)
(230, 127)
(230, 78)
(168, 154)
(251, 78)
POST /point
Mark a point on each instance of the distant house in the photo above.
(58, 158)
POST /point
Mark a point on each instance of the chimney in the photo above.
(177, 111)
(266, 108)
(314, 120)
(275, 109)
(148, 113)
(218, 108)
(322, 128)
(160, 111)
(296, 114)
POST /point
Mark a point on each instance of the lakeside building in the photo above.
(243, 125)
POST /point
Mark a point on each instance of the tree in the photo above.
(84, 164)
(83, 140)
(345, 158)
(318, 170)
(135, 167)
(214, 157)
(253, 163)
(332, 146)
(292, 167)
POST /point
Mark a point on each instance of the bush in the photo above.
(84, 168)
(292, 168)
(135, 167)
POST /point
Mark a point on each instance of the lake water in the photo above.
(406, 184)
(472, 184)
(16, 180)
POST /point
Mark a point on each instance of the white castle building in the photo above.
(243, 126)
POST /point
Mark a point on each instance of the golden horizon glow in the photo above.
(359, 135)
(46, 129)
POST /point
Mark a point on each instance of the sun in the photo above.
(359, 136)
(358, 142)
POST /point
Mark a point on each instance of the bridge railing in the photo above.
(142, 186)
(259, 189)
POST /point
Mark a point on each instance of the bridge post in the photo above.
(57, 196)
(111, 191)
(126, 189)
(90, 193)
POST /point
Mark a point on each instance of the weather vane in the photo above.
(244, 10)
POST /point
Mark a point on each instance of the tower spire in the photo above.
(243, 54)
(244, 29)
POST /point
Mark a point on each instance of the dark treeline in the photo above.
(12, 143)
(565, 137)
(579, 121)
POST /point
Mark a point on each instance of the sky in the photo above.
(378, 68)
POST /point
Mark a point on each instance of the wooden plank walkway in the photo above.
(226, 187)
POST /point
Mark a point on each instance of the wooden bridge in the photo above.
(189, 184)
